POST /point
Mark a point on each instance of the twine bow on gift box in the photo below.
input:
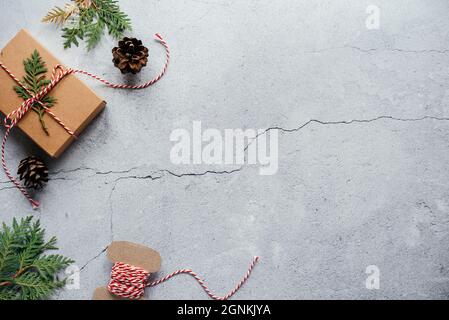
(59, 73)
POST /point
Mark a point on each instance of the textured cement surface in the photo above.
(365, 184)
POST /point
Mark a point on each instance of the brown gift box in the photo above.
(77, 105)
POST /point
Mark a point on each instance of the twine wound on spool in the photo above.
(130, 282)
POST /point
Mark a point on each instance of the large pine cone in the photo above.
(34, 172)
(130, 55)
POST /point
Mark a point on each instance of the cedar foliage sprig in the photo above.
(25, 272)
(34, 81)
(87, 20)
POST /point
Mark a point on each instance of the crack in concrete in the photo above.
(7, 188)
(111, 212)
(93, 259)
(159, 174)
(96, 171)
(224, 172)
(146, 177)
(369, 50)
(72, 170)
(343, 122)
(347, 122)
(152, 178)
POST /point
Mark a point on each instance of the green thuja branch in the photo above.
(89, 20)
(25, 272)
(34, 81)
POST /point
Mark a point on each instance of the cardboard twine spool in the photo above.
(133, 265)
(132, 254)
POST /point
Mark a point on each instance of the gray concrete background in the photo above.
(347, 195)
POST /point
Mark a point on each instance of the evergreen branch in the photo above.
(92, 18)
(10, 241)
(59, 15)
(26, 273)
(33, 245)
(48, 266)
(50, 245)
(32, 287)
(117, 21)
(34, 81)
(7, 294)
(84, 3)
(71, 36)
(94, 33)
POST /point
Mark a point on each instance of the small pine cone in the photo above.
(130, 56)
(34, 172)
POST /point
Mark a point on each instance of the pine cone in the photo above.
(130, 55)
(34, 172)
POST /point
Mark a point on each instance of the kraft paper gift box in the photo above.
(77, 105)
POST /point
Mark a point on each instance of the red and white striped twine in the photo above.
(59, 72)
(129, 282)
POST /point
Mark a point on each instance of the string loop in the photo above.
(129, 282)
(59, 72)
